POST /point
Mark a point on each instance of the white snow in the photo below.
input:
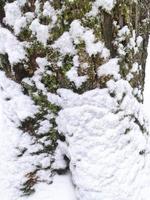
(80, 33)
(37, 7)
(37, 77)
(72, 75)
(123, 32)
(41, 31)
(77, 34)
(15, 107)
(104, 4)
(60, 152)
(135, 67)
(104, 143)
(21, 2)
(48, 10)
(147, 85)
(20, 23)
(12, 110)
(44, 127)
(64, 44)
(109, 155)
(12, 12)
(139, 41)
(11, 46)
(13, 16)
(61, 189)
(110, 68)
(92, 47)
(42, 62)
(76, 31)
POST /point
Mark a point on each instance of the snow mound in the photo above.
(14, 107)
(108, 152)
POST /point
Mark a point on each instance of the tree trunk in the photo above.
(89, 46)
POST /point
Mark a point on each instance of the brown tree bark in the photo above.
(107, 27)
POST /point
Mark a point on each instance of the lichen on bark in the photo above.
(106, 27)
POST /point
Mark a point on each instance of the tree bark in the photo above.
(123, 30)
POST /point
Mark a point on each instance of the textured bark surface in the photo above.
(106, 26)
(136, 17)
(125, 13)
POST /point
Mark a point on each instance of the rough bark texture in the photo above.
(125, 13)
(106, 26)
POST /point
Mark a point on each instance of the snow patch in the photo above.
(48, 10)
(147, 84)
(105, 144)
(12, 112)
(10, 45)
(77, 34)
(61, 188)
(41, 31)
(13, 16)
(64, 44)
(104, 4)
(110, 68)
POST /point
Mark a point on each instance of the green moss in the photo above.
(125, 10)
(36, 48)
(25, 34)
(123, 70)
(56, 32)
(71, 10)
(5, 65)
(46, 20)
(67, 64)
(53, 57)
(50, 82)
(60, 27)
(94, 23)
(76, 9)
(57, 4)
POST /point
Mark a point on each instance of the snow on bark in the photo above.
(14, 107)
(40, 30)
(103, 131)
(10, 45)
(13, 16)
(109, 68)
(106, 147)
(107, 5)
